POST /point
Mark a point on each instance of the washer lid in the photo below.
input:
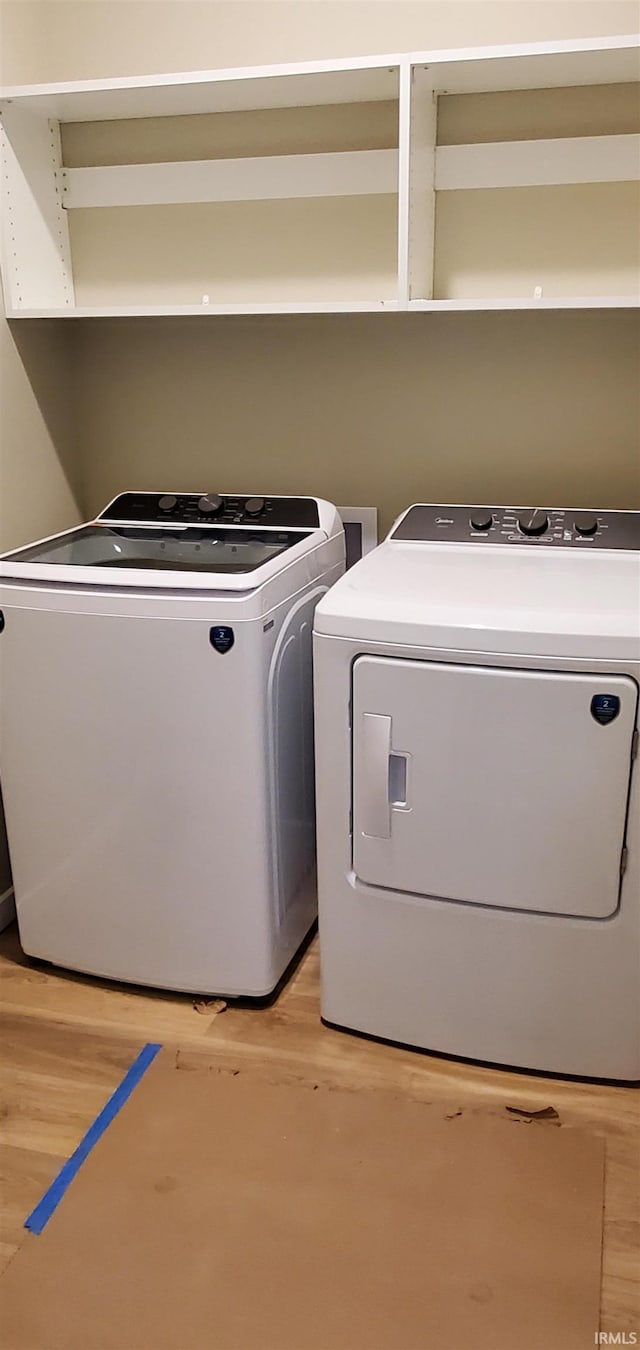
(193, 557)
(182, 542)
(162, 549)
(494, 599)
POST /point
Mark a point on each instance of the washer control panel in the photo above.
(555, 527)
(213, 508)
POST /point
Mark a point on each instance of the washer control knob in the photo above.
(210, 504)
(254, 506)
(167, 503)
(533, 522)
(586, 523)
(481, 520)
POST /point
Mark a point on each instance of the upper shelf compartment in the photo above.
(331, 186)
(522, 187)
(237, 191)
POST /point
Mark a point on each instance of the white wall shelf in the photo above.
(207, 308)
(382, 225)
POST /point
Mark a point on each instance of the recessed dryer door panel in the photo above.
(497, 787)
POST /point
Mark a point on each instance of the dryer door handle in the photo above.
(372, 776)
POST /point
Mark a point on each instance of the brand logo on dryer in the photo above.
(222, 638)
(605, 708)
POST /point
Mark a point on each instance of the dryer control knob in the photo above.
(254, 506)
(210, 504)
(533, 522)
(167, 503)
(586, 523)
(481, 520)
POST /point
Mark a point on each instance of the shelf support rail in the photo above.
(36, 258)
(547, 163)
(265, 178)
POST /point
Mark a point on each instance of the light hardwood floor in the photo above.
(66, 1042)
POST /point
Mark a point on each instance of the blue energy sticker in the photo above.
(605, 708)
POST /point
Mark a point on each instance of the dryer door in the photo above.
(497, 787)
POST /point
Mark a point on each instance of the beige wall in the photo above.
(372, 409)
(531, 405)
(38, 461)
(355, 407)
(366, 408)
(76, 39)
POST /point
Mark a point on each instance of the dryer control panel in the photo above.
(558, 527)
(212, 508)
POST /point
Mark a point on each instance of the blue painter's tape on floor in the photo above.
(51, 1198)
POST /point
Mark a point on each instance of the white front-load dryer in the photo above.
(478, 798)
(156, 737)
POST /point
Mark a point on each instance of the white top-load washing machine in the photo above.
(476, 686)
(156, 737)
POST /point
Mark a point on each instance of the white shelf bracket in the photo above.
(35, 238)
